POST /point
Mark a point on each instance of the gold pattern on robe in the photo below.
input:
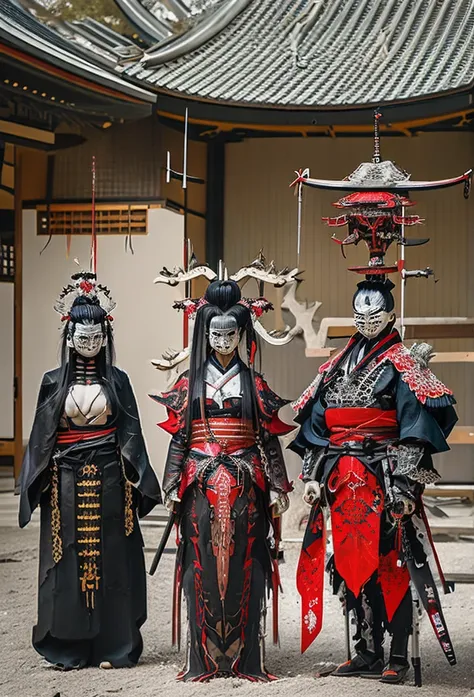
(56, 514)
(89, 485)
(129, 521)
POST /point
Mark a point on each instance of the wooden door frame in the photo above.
(18, 318)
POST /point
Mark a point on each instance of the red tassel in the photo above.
(253, 351)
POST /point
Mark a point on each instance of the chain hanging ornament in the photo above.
(56, 514)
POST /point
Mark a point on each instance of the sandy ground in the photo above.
(21, 674)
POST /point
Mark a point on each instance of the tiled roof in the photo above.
(94, 56)
(325, 53)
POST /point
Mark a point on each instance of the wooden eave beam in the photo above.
(26, 133)
(69, 77)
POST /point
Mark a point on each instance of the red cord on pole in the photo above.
(93, 261)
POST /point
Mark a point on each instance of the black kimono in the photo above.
(370, 424)
(223, 475)
(92, 589)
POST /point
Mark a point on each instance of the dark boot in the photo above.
(363, 665)
(398, 666)
(395, 671)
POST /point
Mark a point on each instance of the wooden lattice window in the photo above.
(76, 219)
(7, 261)
(7, 246)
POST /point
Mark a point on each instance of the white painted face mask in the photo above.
(224, 334)
(370, 315)
(87, 339)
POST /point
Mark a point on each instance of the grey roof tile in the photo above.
(308, 53)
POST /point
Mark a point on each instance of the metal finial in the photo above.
(376, 157)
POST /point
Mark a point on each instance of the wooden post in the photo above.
(18, 317)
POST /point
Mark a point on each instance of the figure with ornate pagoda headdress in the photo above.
(370, 424)
(87, 467)
(226, 482)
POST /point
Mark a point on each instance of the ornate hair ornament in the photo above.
(258, 269)
(257, 306)
(84, 284)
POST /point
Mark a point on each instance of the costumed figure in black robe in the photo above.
(370, 424)
(225, 479)
(87, 467)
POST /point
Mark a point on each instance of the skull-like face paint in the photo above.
(87, 339)
(224, 334)
(370, 315)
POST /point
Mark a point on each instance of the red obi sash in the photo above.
(218, 435)
(82, 434)
(358, 423)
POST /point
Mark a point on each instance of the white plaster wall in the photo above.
(144, 322)
(6, 360)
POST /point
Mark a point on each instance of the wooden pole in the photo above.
(18, 316)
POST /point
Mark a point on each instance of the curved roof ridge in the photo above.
(145, 22)
(317, 54)
(204, 30)
(22, 30)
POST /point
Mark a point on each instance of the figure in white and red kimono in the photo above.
(370, 424)
(226, 482)
(86, 466)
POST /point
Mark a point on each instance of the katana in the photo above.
(163, 542)
(415, 638)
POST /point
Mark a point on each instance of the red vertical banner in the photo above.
(310, 576)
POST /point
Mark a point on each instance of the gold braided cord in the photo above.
(129, 521)
(89, 553)
(55, 514)
(89, 528)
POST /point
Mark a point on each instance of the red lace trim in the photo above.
(420, 380)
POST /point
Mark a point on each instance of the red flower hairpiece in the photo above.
(257, 306)
(189, 306)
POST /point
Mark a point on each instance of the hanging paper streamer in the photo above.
(128, 238)
(48, 241)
